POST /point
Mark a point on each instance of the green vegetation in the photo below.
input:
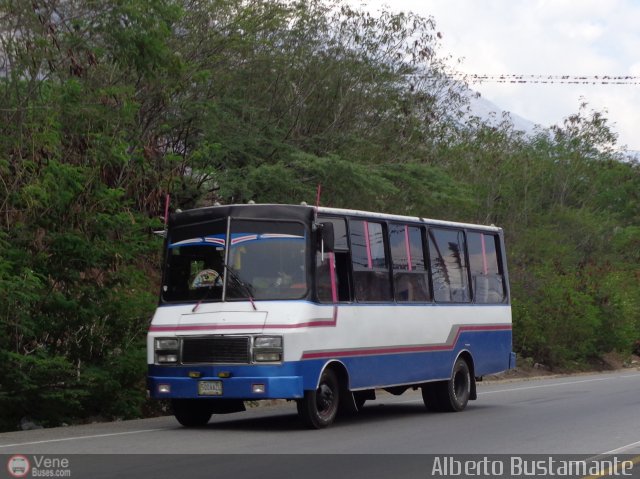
(107, 106)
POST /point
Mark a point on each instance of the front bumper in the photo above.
(278, 382)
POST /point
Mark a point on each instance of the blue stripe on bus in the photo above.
(490, 350)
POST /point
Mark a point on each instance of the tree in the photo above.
(107, 107)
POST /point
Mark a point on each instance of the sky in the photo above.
(544, 37)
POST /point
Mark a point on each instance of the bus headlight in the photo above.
(166, 350)
(268, 342)
(267, 357)
(166, 343)
(167, 358)
(267, 349)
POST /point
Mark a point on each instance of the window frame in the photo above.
(387, 252)
(425, 272)
(464, 251)
(346, 289)
(500, 263)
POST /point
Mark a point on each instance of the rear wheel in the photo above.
(452, 395)
(191, 412)
(318, 408)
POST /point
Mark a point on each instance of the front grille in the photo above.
(215, 350)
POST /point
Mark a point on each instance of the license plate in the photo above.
(210, 388)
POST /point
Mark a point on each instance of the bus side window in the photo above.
(370, 262)
(487, 279)
(409, 272)
(341, 266)
(449, 270)
(180, 267)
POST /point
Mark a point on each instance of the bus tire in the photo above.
(458, 387)
(191, 412)
(318, 408)
(452, 395)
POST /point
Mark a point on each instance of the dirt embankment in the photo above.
(530, 370)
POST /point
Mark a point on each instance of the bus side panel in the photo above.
(490, 351)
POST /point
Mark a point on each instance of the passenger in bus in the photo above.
(210, 274)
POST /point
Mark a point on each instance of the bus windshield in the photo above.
(266, 260)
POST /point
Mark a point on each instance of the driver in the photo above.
(206, 279)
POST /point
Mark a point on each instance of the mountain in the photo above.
(493, 114)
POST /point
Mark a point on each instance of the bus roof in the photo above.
(414, 219)
(303, 212)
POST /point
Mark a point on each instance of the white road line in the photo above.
(140, 431)
(566, 383)
(623, 448)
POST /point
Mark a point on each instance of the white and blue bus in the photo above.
(325, 306)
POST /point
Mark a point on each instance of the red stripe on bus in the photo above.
(204, 327)
(407, 349)
(407, 245)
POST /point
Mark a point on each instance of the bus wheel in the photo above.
(191, 412)
(318, 408)
(452, 395)
(459, 387)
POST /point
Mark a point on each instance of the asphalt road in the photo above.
(592, 415)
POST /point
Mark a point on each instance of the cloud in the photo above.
(581, 31)
(634, 69)
(544, 37)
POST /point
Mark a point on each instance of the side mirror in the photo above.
(325, 231)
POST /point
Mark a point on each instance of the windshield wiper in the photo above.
(246, 287)
(208, 290)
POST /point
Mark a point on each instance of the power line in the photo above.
(549, 79)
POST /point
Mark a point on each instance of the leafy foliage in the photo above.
(109, 106)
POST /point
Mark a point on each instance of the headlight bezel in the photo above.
(166, 344)
(166, 350)
(268, 349)
(267, 342)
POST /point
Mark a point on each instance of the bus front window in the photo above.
(194, 263)
(266, 260)
(268, 257)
